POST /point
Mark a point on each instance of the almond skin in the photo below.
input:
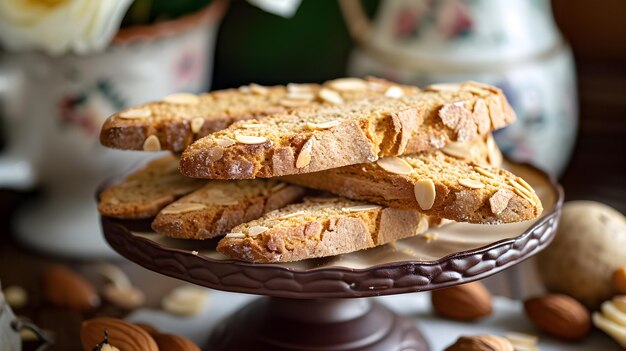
(123, 335)
(481, 343)
(64, 288)
(462, 302)
(559, 315)
(171, 342)
(619, 280)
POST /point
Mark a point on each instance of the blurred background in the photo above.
(562, 64)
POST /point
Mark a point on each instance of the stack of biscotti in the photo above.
(401, 159)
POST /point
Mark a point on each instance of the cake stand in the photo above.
(321, 304)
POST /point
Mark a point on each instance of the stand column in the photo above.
(278, 324)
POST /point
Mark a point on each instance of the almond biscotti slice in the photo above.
(145, 192)
(435, 184)
(319, 227)
(176, 121)
(216, 208)
(324, 137)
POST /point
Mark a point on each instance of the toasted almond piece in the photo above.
(323, 125)
(525, 184)
(290, 215)
(114, 274)
(15, 296)
(64, 288)
(257, 229)
(330, 96)
(423, 225)
(182, 99)
(304, 157)
(620, 302)
(471, 183)
(225, 142)
(348, 84)
(258, 89)
(395, 165)
(294, 102)
(295, 87)
(443, 87)
(135, 113)
(425, 193)
(185, 300)
(126, 298)
(196, 124)
(526, 197)
(300, 95)
(500, 200)
(252, 126)
(495, 157)
(360, 208)
(121, 334)
(521, 339)
(519, 187)
(152, 143)
(235, 235)
(248, 139)
(394, 92)
(458, 150)
(178, 208)
(485, 172)
(610, 311)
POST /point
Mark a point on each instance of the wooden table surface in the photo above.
(596, 172)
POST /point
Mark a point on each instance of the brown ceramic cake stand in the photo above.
(321, 304)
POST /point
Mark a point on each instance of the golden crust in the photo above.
(364, 131)
(324, 227)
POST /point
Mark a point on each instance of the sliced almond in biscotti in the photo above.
(145, 192)
(437, 184)
(361, 131)
(177, 120)
(319, 227)
(217, 207)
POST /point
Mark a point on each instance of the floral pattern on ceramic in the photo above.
(512, 44)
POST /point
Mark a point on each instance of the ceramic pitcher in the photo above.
(512, 44)
(52, 109)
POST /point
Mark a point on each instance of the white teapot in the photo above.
(512, 44)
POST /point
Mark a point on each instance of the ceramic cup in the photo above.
(53, 109)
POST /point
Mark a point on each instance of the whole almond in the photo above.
(559, 315)
(64, 288)
(150, 329)
(462, 302)
(171, 342)
(619, 280)
(123, 335)
(481, 343)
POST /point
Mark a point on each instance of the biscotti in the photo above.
(216, 208)
(145, 192)
(317, 138)
(317, 228)
(434, 183)
(177, 120)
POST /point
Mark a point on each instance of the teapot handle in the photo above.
(359, 25)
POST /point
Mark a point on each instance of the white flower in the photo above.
(60, 26)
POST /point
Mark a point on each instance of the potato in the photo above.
(589, 246)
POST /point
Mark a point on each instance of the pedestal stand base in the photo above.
(274, 324)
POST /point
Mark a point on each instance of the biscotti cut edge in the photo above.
(435, 184)
(146, 191)
(175, 121)
(216, 208)
(365, 130)
(341, 226)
